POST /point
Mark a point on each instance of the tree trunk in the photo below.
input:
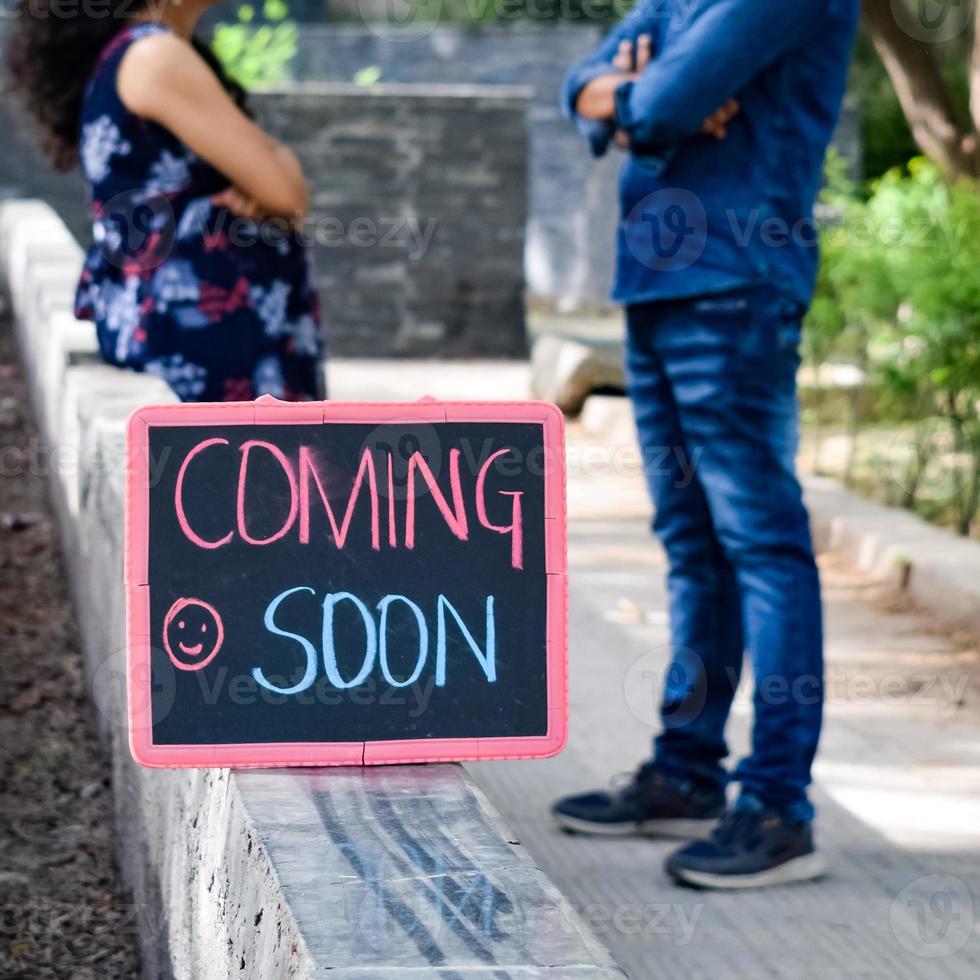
(923, 94)
(973, 142)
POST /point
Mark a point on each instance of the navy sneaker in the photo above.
(650, 802)
(752, 847)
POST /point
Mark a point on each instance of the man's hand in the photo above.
(598, 99)
(626, 62)
(717, 123)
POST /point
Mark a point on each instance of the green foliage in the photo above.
(257, 54)
(899, 294)
(855, 289)
(367, 77)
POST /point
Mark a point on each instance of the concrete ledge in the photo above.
(262, 874)
(354, 380)
(566, 370)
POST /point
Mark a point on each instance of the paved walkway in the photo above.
(898, 780)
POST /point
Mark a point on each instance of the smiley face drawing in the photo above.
(192, 633)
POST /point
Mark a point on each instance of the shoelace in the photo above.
(737, 826)
(626, 783)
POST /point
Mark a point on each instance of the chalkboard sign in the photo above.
(345, 584)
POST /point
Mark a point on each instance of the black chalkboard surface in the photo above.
(325, 584)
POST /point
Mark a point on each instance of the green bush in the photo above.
(257, 55)
(899, 295)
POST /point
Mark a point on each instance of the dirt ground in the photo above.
(63, 911)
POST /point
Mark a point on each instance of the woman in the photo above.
(196, 274)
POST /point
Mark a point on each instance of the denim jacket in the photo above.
(701, 215)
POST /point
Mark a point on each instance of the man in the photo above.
(726, 108)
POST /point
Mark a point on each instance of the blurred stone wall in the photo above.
(572, 198)
(418, 213)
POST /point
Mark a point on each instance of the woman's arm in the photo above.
(162, 78)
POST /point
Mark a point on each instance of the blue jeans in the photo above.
(713, 383)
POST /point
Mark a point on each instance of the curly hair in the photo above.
(51, 53)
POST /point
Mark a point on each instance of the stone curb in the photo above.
(263, 874)
(937, 569)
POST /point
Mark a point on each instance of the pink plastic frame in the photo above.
(268, 410)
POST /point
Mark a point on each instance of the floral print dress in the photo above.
(221, 307)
